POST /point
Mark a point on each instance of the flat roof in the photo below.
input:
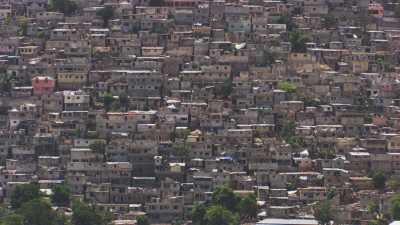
(277, 221)
(359, 153)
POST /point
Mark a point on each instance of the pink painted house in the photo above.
(43, 85)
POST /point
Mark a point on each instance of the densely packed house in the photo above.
(146, 107)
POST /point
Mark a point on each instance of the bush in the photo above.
(287, 86)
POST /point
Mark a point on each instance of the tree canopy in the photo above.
(31, 208)
(108, 100)
(98, 146)
(394, 184)
(106, 14)
(379, 180)
(218, 215)
(287, 20)
(395, 208)
(124, 101)
(225, 197)
(68, 7)
(329, 21)
(61, 195)
(6, 83)
(198, 213)
(83, 214)
(298, 41)
(248, 207)
(227, 88)
(142, 220)
(287, 86)
(288, 133)
(288, 130)
(24, 193)
(12, 219)
(226, 208)
(323, 212)
(38, 212)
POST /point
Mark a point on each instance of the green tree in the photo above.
(269, 57)
(4, 211)
(227, 88)
(288, 130)
(323, 212)
(6, 82)
(287, 86)
(41, 35)
(373, 207)
(377, 222)
(286, 19)
(325, 154)
(329, 21)
(99, 146)
(380, 60)
(146, 106)
(61, 195)
(8, 20)
(24, 193)
(83, 214)
(23, 28)
(369, 119)
(124, 101)
(395, 207)
(379, 180)
(248, 207)
(298, 41)
(198, 214)
(142, 220)
(12, 219)
(291, 186)
(295, 141)
(106, 14)
(37, 212)
(310, 101)
(225, 197)
(331, 193)
(108, 100)
(394, 184)
(218, 215)
(68, 7)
